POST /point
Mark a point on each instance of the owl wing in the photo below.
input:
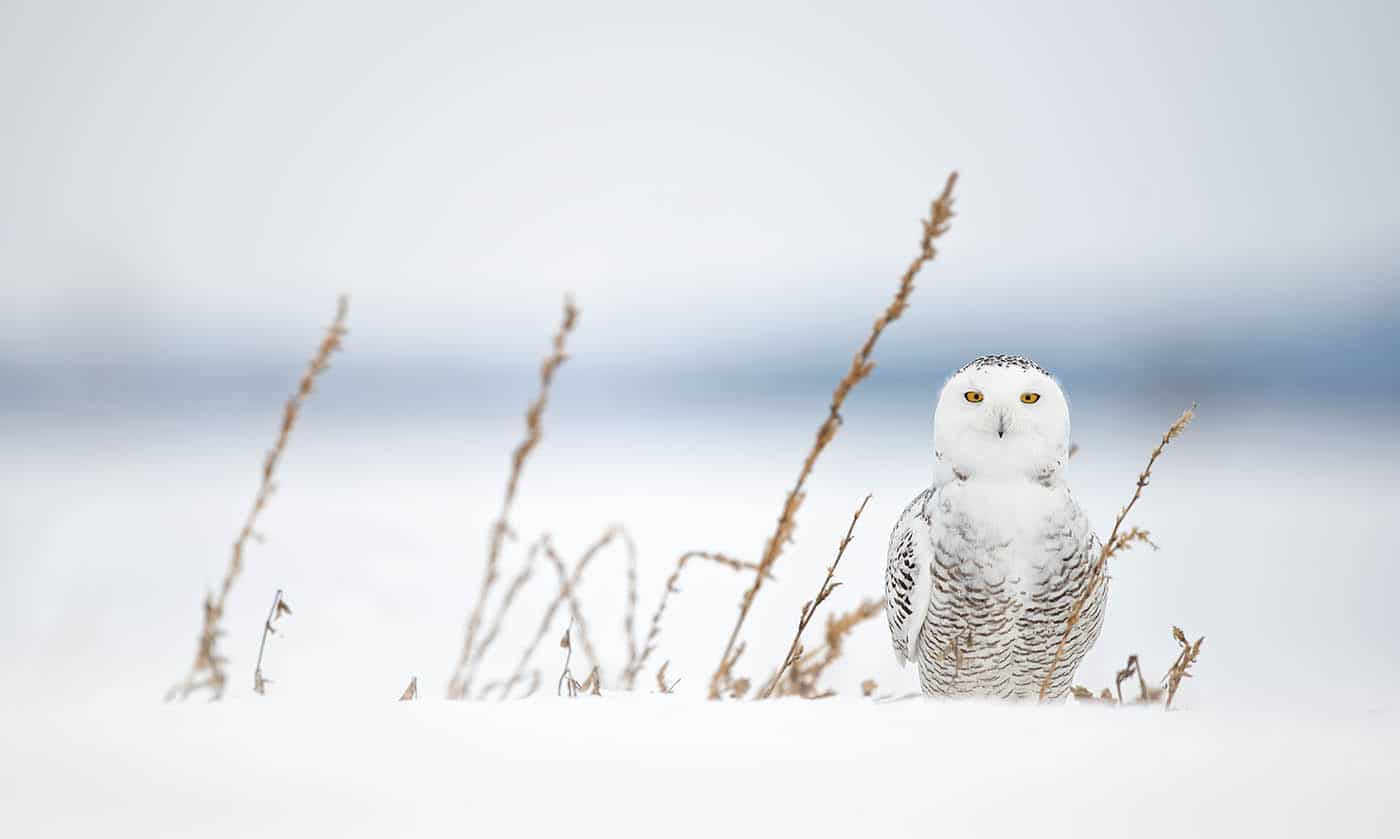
(908, 577)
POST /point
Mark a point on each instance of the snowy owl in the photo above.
(985, 565)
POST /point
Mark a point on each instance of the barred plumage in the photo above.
(985, 565)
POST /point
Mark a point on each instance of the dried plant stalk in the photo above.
(1181, 669)
(460, 685)
(1114, 543)
(1129, 670)
(795, 648)
(279, 608)
(593, 684)
(629, 678)
(566, 679)
(739, 687)
(208, 672)
(516, 584)
(803, 677)
(1083, 694)
(940, 214)
(410, 692)
(629, 618)
(564, 593)
(566, 590)
(661, 684)
(505, 686)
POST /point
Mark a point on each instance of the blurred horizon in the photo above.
(1154, 201)
(1157, 355)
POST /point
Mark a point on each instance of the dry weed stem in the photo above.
(1115, 543)
(827, 587)
(460, 685)
(208, 671)
(565, 590)
(940, 214)
(279, 608)
(1181, 669)
(654, 632)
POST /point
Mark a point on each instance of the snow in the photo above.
(678, 766)
(1277, 552)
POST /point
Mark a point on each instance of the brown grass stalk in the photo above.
(460, 685)
(279, 608)
(1129, 670)
(1181, 669)
(512, 590)
(1115, 543)
(795, 648)
(803, 677)
(940, 214)
(1083, 694)
(629, 616)
(629, 678)
(565, 590)
(410, 692)
(661, 684)
(1146, 695)
(591, 685)
(566, 679)
(208, 671)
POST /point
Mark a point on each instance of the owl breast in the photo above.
(1009, 562)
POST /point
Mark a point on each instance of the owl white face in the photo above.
(1000, 418)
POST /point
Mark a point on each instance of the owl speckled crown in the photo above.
(1003, 361)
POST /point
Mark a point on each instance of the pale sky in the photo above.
(209, 175)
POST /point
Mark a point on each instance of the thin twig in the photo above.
(629, 678)
(1181, 669)
(516, 584)
(566, 589)
(795, 648)
(410, 692)
(1114, 544)
(940, 214)
(279, 608)
(460, 685)
(1129, 670)
(629, 618)
(593, 684)
(805, 674)
(559, 598)
(208, 668)
(661, 683)
(566, 679)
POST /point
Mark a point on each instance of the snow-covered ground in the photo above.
(677, 766)
(1274, 528)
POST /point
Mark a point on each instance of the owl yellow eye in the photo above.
(1030, 398)
(973, 396)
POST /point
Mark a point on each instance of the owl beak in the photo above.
(1001, 424)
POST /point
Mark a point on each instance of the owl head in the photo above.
(1001, 416)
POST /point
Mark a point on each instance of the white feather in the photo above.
(984, 565)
